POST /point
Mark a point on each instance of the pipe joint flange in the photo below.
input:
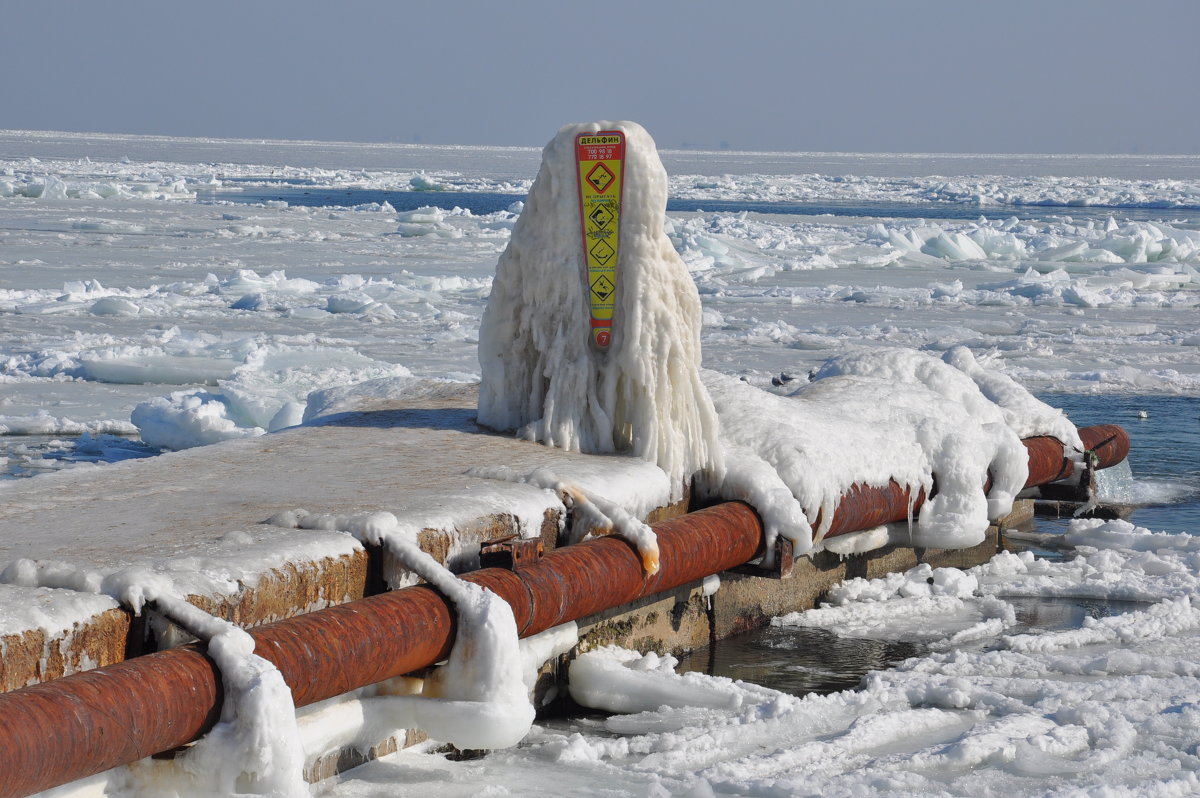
(510, 552)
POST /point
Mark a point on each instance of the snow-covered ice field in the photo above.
(141, 295)
(118, 288)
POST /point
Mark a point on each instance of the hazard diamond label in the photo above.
(602, 216)
(600, 178)
(603, 288)
(601, 252)
(600, 158)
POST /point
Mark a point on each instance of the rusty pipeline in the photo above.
(59, 731)
(1107, 443)
(866, 506)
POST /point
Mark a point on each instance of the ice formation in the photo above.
(541, 376)
(176, 293)
(876, 416)
(867, 419)
(590, 512)
(1052, 274)
(1098, 709)
(364, 717)
(478, 698)
(265, 390)
(900, 606)
(255, 748)
(622, 681)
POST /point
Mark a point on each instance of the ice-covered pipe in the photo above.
(866, 507)
(59, 731)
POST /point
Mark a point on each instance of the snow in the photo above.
(215, 569)
(255, 747)
(56, 613)
(479, 697)
(1096, 303)
(867, 419)
(590, 513)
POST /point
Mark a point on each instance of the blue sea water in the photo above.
(489, 202)
(1165, 462)
(1164, 453)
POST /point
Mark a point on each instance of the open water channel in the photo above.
(490, 202)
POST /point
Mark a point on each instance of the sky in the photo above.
(1028, 76)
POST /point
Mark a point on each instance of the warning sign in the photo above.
(603, 288)
(602, 216)
(600, 178)
(601, 160)
(601, 253)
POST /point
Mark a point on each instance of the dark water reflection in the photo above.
(798, 660)
(801, 660)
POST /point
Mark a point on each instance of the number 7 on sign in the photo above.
(601, 161)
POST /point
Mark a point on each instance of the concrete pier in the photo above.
(200, 517)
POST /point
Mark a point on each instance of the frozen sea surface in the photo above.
(130, 278)
(117, 285)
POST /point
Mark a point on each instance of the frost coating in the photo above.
(255, 748)
(541, 377)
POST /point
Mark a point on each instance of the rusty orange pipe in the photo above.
(866, 507)
(60, 731)
(70, 728)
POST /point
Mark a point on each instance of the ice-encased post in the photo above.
(540, 374)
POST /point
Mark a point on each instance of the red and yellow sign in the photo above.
(601, 160)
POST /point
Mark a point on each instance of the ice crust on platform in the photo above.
(479, 698)
(540, 375)
(216, 569)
